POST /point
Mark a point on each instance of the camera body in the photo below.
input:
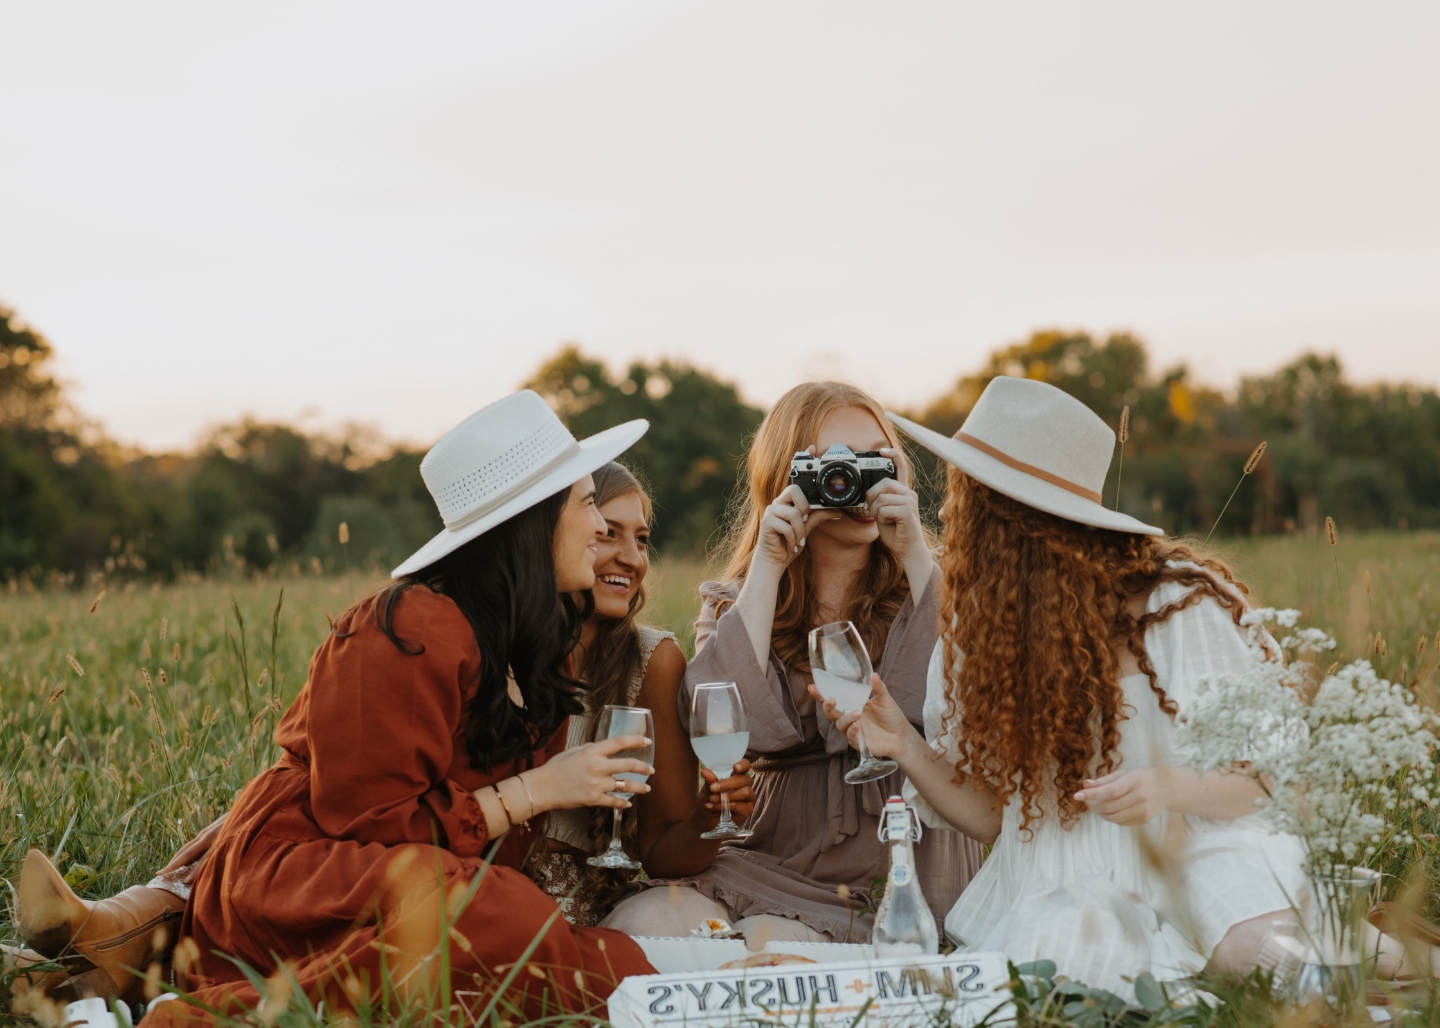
(839, 477)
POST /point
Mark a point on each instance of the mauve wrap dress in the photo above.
(813, 832)
(369, 804)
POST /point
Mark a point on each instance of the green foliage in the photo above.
(1368, 456)
(694, 450)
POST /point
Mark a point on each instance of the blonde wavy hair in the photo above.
(792, 425)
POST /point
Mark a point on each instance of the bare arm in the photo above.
(968, 807)
(787, 522)
(673, 816)
(1140, 794)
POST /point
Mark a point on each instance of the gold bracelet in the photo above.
(528, 797)
(509, 816)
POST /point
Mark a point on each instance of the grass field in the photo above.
(127, 729)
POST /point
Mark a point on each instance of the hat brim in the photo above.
(596, 451)
(1018, 485)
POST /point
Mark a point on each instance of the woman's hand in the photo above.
(585, 776)
(896, 510)
(888, 732)
(783, 529)
(1133, 797)
(737, 787)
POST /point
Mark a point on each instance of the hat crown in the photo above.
(493, 454)
(1037, 424)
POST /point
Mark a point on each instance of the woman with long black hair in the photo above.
(423, 752)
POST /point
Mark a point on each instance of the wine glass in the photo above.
(624, 721)
(719, 736)
(840, 666)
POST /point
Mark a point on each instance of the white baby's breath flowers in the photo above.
(1332, 751)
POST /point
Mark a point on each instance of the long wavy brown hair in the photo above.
(1037, 605)
(607, 668)
(792, 425)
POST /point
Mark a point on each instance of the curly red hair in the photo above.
(1037, 605)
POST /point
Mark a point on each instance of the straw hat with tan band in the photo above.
(503, 459)
(1038, 445)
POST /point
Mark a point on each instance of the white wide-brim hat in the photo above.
(1036, 444)
(504, 459)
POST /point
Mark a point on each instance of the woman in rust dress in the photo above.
(431, 728)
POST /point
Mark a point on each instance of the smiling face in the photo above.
(577, 538)
(623, 557)
(856, 428)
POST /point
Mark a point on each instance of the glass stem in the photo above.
(725, 806)
(865, 757)
(615, 833)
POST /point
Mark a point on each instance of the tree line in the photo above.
(256, 496)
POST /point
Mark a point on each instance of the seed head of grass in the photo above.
(1332, 669)
(1254, 460)
(95, 603)
(1368, 586)
(175, 653)
(164, 678)
(164, 627)
(1125, 425)
(1330, 532)
(1421, 648)
(74, 665)
(344, 533)
(55, 695)
(145, 677)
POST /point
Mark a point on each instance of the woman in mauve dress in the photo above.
(808, 870)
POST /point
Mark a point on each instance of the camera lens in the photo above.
(839, 485)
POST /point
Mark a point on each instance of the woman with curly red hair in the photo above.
(1071, 638)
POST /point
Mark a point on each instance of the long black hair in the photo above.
(503, 581)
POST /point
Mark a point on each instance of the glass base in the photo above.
(727, 831)
(614, 858)
(870, 770)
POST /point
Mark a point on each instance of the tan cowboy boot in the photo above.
(131, 930)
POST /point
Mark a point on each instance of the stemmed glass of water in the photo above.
(719, 736)
(840, 666)
(624, 721)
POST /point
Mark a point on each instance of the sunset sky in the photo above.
(390, 213)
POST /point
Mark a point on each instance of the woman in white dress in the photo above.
(1072, 638)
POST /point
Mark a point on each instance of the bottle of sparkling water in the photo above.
(904, 926)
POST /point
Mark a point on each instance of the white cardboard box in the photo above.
(846, 982)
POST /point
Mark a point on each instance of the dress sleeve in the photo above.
(723, 653)
(382, 725)
(934, 714)
(1199, 642)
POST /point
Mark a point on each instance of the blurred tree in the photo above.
(693, 453)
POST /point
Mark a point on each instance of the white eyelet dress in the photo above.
(1107, 902)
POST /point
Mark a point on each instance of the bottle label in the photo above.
(900, 874)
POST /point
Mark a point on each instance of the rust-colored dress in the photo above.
(330, 860)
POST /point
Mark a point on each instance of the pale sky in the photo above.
(389, 213)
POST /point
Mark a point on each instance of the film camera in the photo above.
(839, 477)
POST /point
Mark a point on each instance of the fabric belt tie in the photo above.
(1029, 469)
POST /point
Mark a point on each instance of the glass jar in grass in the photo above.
(1343, 758)
(840, 668)
(616, 721)
(720, 736)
